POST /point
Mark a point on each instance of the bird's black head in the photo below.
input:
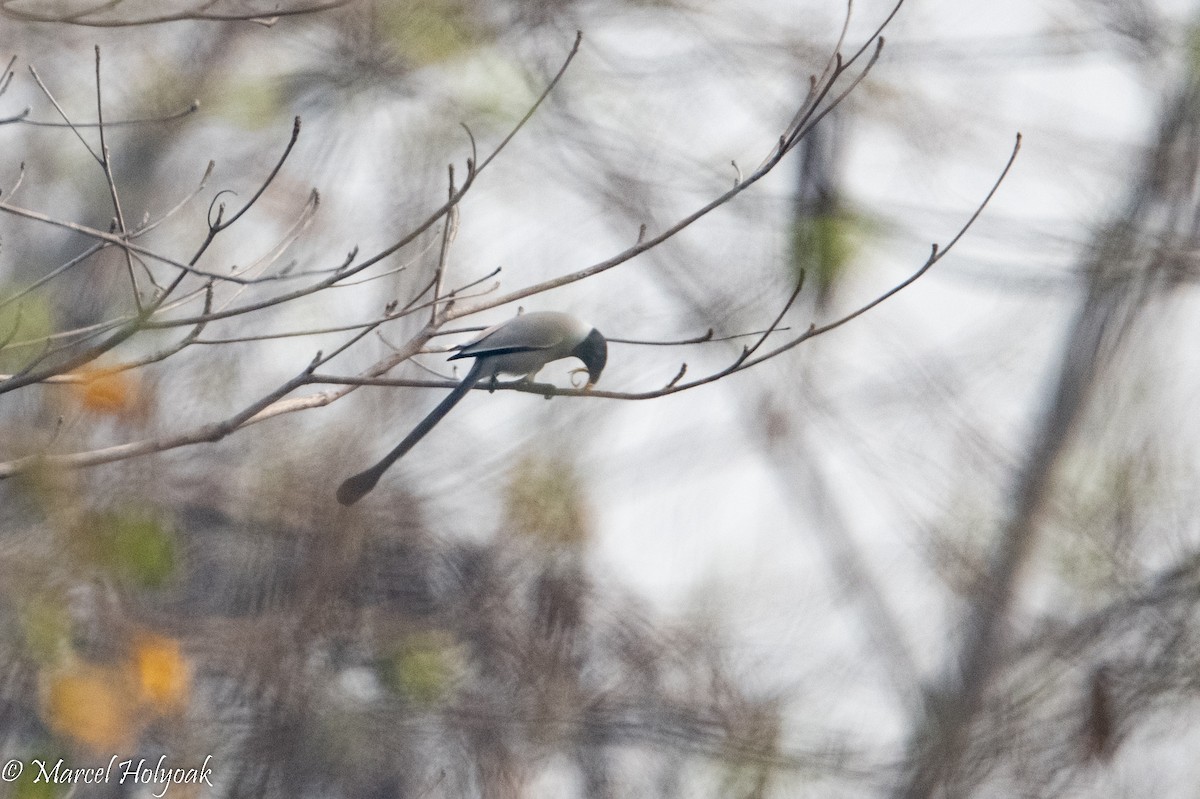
(593, 351)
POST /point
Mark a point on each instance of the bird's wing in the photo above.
(522, 334)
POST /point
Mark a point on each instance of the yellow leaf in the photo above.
(162, 674)
(91, 705)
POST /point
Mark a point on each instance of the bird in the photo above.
(519, 347)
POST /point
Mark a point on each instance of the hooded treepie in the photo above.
(519, 347)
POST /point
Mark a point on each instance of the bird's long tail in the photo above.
(358, 486)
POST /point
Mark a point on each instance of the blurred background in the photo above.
(949, 549)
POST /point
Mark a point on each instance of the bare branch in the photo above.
(643, 244)
(207, 433)
(8, 8)
(267, 182)
(66, 119)
(674, 381)
(346, 271)
(774, 326)
(7, 74)
(25, 112)
(20, 179)
(192, 108)
(46, 278)
(268, 407)
(16, 325)
(441, 304)
(114, 239)
(744, 361)
(106, 165)
(449, 231)
(537, 103)
(934, 257)
(149, 226)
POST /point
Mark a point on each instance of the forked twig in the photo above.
(276, 402)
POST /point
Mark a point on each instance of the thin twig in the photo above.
(113, 239)
(645, 243)
(347, 271)
(20, 117)
(537, 103)
(787, 306)
(6, 80)
(46, 278)
(106, 165)
(747, 362)
(20, 179)
(269, 179)
(276, 402)
(192, 108)
(74, 129)
(707, 337)
(149, 226)
(248, 16)
(449, 231)
(936, 255)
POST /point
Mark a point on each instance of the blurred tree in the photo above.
(461, 636)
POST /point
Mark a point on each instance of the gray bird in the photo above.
(519, 347)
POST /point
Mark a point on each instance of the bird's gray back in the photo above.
(534, 331)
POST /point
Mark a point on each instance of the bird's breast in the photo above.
(514, 364)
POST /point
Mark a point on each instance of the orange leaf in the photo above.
(108, 390)
(162, 673)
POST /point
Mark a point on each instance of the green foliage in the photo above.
(431, 32)
(545, 502)
(754, 731)
(1191, 41)
(1103, 514)
(252, 104)
(28, 319)
(28, 786)
(824, 244)
(135, 547)
(422, 669)
(46, 627)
